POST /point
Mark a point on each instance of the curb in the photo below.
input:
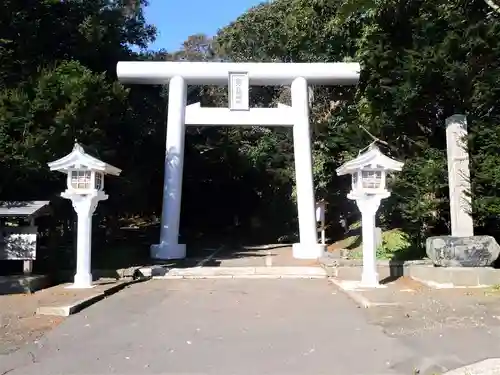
(159, 271)
(361, 300)
(269, 277)
(207, 259)
(244, 273)
(358, 298)
(67, 310)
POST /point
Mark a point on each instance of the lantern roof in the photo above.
(78, 158)
(372, 158)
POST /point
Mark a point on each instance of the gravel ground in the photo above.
(448, 327)
(18, 323)
(422, 308)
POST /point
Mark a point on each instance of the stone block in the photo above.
(211, 271)
(293, 271)
(489, 276)
(473, 251)
(348, 273)
(151, 271)
(430, 273)
(303, 276)
(456, 276)
(464, 276)
(419, 272)
(54, 310)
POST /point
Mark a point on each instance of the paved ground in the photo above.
(223, 327)
(238, 326)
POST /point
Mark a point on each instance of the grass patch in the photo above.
(350, 243)
(493, 290)
(396, 244)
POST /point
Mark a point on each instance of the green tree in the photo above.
(421, 62)
(58, 83)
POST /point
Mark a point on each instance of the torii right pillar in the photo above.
(459, 176)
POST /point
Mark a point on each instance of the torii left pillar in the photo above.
(169, 246)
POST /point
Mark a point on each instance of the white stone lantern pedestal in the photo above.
(84, 206)
(368, 206)
(85, 184)
(368, 172)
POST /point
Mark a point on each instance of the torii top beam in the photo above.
(216, 73)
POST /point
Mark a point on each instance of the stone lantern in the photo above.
(368, 172)
(85, 188)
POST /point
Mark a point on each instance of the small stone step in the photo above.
(244, 272)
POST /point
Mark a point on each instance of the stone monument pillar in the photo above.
(459, 176)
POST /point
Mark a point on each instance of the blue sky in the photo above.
(177, 19)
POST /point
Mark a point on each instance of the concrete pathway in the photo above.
(260, 256)
(215, 326)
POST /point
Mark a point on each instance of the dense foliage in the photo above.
(421, 62)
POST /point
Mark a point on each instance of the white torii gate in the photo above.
(239, 77)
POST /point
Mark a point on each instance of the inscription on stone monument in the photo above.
(473, 251)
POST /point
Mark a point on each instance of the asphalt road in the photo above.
(223, 327)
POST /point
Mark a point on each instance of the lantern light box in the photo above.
(369, 171)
